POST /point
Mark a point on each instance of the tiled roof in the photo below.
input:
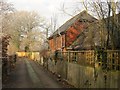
(82, 15)
(87, 38)
(91, 37)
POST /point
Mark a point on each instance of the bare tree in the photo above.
(64, 10)
(54, 23)
(118, 6)
(70, 10)
(5, 8)
(24, 28)
(28, 24)
(106, 12)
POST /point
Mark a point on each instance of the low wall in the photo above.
(59, 67)
(88, 77)
(83, 76)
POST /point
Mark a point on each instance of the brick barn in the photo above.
(65, 35)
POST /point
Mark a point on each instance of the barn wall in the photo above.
(69, 36)
(74, 31)
(56, 43)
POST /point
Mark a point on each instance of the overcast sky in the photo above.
(46, 8)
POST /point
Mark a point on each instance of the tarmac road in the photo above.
(29, 74)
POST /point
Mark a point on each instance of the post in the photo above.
(68, 56)
(67, 69)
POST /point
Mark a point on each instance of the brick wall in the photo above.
(57, 42)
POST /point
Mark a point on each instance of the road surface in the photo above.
(29, 74)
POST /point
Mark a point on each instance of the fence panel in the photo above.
(106, 59)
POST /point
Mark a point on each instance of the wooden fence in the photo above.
(106, 59)
(87, 68)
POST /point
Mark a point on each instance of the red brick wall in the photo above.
(57, 42)
(74, 31)
(67, 39)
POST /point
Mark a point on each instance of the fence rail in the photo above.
(107, 59)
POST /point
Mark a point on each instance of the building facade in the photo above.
(65, 35)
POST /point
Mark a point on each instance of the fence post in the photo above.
(67, 65)
(68, 56)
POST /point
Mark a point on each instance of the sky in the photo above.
(46, 8)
